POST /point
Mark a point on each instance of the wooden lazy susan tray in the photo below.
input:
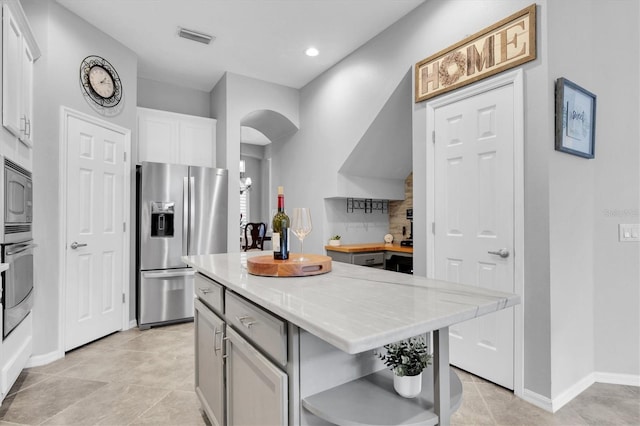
(296, 266)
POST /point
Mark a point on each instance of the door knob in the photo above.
(503, 253)
(75, 245)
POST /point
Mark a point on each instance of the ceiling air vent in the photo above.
(195, 36)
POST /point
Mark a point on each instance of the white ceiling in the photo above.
(263, 39)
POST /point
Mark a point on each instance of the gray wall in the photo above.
(567, 239)
(169, 97)
(232, 99)
(340, 105)
(571, 209)
(64, 40)
(256, 164)
(589, 198)
(616, 188)
(254, 171)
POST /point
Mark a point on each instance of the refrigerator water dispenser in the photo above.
(162, 219)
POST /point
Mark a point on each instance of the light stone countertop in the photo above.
(355, 308)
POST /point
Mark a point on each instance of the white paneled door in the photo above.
(94, 240)
(474, 222)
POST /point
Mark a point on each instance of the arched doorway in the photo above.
(259, 131)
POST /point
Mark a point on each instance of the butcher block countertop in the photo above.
(367, 247)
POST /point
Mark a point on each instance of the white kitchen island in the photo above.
(332, 325)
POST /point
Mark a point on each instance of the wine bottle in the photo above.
(280, 236)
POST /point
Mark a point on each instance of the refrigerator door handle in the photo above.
(192, 212)
(169, 274)
(185, 217)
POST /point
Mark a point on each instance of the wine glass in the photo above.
(301, 225)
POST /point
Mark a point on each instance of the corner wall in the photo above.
(65, 40)
(232, 99)
(338, 107)
(617, 193)
(595, 293)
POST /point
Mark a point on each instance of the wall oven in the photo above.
(17, 289)
(17, 245)
(18, 203)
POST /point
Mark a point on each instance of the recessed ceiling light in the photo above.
(311, 51)
(195, 36)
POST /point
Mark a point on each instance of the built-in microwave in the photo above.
(18, 202)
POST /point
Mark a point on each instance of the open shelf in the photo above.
(367, 204)
(371, 400)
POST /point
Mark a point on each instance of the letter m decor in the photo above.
(503, 45)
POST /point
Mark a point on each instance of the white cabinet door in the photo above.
(26, 104)
(158, 137)
(256, 389)
(210, 362)
(196, 141)
(11, 72)
(167, 137)
(17, 76)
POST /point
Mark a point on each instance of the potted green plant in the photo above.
(335, 240)
(407, 359)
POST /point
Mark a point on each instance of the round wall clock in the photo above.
(100, 81)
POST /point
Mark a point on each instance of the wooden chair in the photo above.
(254, 236)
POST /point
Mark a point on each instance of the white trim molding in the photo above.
(617, 378)
(44, 359)
(568, 394)
(553, 405)
(537, 400)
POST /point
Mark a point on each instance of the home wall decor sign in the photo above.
(504, 45)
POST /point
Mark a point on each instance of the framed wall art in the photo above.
(575, 119)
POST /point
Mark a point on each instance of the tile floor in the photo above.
(138, 378)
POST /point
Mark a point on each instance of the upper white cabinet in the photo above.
(19, 51)
(167, 137)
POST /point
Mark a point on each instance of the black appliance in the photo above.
(409, 241)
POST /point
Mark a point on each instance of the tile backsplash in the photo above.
(398, 212)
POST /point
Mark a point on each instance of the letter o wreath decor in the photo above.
(460, 61)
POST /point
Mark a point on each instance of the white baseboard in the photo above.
(617, 379)
(573, 391)
(37, 360)
(597, 377)
(537, 400)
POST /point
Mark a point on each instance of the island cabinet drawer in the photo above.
(368, 259)
(263, 329)
(209, 292)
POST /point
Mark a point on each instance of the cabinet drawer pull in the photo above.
(215, 346)
(205, 290)
(246, 320)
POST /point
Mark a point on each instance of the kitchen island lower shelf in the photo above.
(371, 400)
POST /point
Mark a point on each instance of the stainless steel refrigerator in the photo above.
(182, 210)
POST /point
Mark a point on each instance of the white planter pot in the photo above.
(408, 386)
(334, 242)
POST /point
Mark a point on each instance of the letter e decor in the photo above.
(504, 45)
